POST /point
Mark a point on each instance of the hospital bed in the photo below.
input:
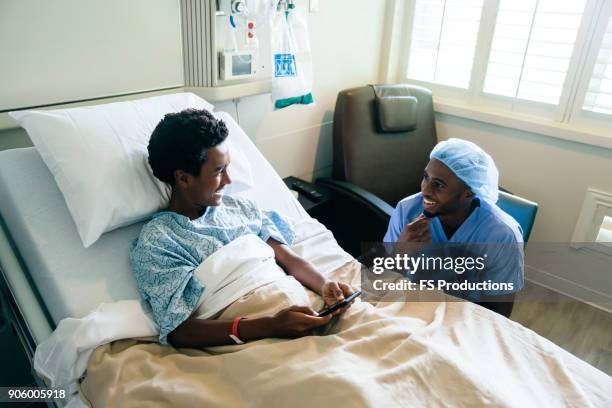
(48, 276)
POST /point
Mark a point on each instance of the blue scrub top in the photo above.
(487, 224)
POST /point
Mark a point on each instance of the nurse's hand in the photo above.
(417, 231)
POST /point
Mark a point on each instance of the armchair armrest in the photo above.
(378, 207)
(358, 215)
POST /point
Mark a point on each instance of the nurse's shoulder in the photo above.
(410, 207)
(500, 224)
(405, 211)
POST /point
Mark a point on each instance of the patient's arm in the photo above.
(196, 333)
(298, 267)
(294, 321)
(307, 275)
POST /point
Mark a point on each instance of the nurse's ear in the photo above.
(468, 194)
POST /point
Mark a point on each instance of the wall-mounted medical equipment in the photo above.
(236, 65)
(234, 46)
(245, 46)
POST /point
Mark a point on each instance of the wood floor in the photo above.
(579, 328)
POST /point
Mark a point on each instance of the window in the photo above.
(594, 223)
(605, 231)
(599, 91)
(444, 40)
(532, 47)
(545, 58)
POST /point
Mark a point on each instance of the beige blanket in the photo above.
(418, 354)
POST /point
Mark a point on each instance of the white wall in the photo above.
(66, 50)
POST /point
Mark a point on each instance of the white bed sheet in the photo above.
(73, 280)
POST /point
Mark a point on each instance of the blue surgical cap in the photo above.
(471, 164)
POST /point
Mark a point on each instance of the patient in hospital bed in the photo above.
(211, 259)
(187, 151)
(215, 269)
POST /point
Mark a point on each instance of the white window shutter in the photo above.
(443, 41)
(532, 46)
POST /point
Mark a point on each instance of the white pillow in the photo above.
(98, 156)
(240, 168)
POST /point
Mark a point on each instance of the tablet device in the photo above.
(340, 304)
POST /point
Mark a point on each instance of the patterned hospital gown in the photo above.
(171, 246)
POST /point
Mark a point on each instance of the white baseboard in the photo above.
(569, 288)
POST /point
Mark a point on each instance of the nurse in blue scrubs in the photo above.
(456, 205)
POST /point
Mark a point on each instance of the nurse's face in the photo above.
(206, 189)
(443, 192)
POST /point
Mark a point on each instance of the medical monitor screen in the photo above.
(241, 64)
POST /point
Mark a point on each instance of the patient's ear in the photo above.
(181, 178)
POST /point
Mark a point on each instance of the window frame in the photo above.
(576, 113)
(567, 114)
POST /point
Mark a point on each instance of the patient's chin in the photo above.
(217, 199)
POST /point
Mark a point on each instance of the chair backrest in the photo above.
(383, 135)
(522, 210)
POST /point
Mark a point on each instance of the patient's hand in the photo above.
(334, 292)
(297, 321)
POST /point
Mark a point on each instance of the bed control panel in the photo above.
(315, 199)
(307, 189)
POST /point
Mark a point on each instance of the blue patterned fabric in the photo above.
(171, 246)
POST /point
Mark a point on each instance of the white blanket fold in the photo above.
(233, 271)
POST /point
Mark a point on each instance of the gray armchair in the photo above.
(382, 138)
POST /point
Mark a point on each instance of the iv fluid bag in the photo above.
(292, 60)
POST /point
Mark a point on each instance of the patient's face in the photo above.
(443, 192)
(207, 188)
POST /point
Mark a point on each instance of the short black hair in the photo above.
(180, 141)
